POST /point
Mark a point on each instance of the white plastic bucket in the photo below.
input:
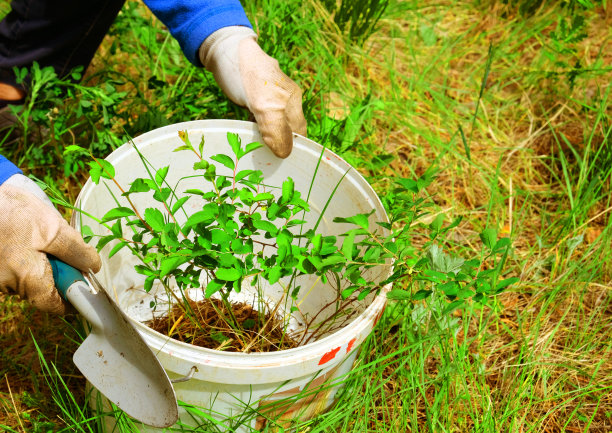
(230, 384)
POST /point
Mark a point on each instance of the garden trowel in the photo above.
(114, 357)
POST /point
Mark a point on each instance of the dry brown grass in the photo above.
(555, 328)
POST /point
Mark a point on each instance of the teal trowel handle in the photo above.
(64, 275)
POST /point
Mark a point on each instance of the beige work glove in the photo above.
(251, 78)
(30, 228)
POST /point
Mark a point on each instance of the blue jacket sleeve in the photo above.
(192, 21)
(7, 169)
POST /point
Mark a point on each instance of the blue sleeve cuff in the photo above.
(7, 169)
(192, 21)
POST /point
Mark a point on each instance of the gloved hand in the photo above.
(251, 78)
(30, 227)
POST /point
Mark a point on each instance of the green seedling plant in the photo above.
(248, 232)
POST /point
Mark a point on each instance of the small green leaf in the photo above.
(246, 196)
(453, 306)
(116, 249)
(360, 219)
(450, 288)
(274, 274)
(183, 147)
(287, 190)
(391, 246)
(272, 211)
(317, 241)
(162, 194)
(455, 223)
(225, 160)
(436, 224)
(160, 175)
(194, 191)
(213, 287)
(505, 283)
(362, 295)
(488, 237)
(234, 141)
(305, 265)
(155, 219)
(148, 284)
(179, 204)
(421, 294)
(228, 274)
(210, 173)
(116, 229)
(372, 254)
(202, 217)
(201, 145)
(118, 212)
(399, 295)
(86, 230)
(428, 177)
(409, 184)
(295, 222)
(228, 260)
(266, 226)
(347, 245)
(169, 264)
(101, 168)
(140, 185)
(262, 196)
(103, 241)
(242, 174)
(108, 171)
(143, 270)
(220, 237)
(236, 245)
(333, 260)
(73, 148)
(87, 233)
(222, 182)
(201, 165)
(349, 291)
(252, 146)
(433, 276)
(284, 238)
(154, 241)
(501, 245)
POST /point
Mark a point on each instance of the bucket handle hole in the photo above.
(189, 375)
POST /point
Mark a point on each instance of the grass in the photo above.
(515, 110)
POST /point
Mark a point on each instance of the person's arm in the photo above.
(31, 228)
(217, 34)
(7, 169)
(192, 21)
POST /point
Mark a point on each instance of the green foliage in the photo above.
(246, 231)
(48, 135)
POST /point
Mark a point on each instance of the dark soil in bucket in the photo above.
(208, 325)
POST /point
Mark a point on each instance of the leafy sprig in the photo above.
(247, 231)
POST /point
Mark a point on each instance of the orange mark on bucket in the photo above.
(329, 355)
(350, 345)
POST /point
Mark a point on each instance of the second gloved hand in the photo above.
(251, 78)
(31, 228)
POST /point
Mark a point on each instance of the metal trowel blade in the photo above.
(116, 360)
